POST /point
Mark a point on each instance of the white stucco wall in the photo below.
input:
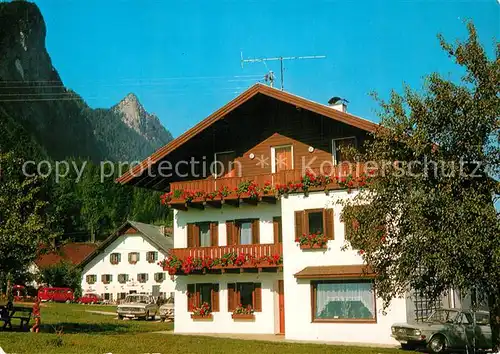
(222, 322)
(125, 244)
(265, 212)
(298, 320)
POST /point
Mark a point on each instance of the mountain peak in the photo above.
(137, 118)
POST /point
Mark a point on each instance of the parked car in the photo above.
(167, 310)
(446, 329)
(137, 306)
(56, 294)
(90, 298)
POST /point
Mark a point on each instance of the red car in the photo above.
(90, 299)
(56, 294)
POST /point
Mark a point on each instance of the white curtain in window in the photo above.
(246, 233)
(345, 300)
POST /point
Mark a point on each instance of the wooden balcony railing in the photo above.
(255, 251)
(213, 184)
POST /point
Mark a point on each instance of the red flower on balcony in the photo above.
(315, 240)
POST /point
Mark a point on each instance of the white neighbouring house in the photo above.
(127, 262)
(233, 245)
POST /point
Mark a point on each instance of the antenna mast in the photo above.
(281, 59)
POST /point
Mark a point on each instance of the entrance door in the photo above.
(281, 305)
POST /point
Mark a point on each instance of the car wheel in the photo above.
(437, 344)
(120, 317)
(147, 316)
(68, 301)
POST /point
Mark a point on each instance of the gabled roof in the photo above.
(283, 96)
(73, 253)
(150, 232)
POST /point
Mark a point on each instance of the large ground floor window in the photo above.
(343, 301)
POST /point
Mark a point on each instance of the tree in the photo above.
(24, 223)
(63, 275)
(426, 220)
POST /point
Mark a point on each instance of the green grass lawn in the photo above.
(87, 333)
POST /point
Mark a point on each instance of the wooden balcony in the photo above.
(212, 185)
(258, 257)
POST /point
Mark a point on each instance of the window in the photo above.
(152, 256)
(91, 278)
(343, 301)
(115, 258)
(159, 277)
(338, 149)
(121, 296)
(122, 278)
(244, 294)
(107, 296)
(245, 233)
(277, 230)
(204, 234)
(224, 164)
(106, 278)
(281, 158)
(201, 293)
(314, 221)
(142, 277)
(133, 257)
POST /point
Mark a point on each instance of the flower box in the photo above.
(202, 318)
(313, 247)
(243, 316)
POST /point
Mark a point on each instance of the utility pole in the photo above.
(281, 59)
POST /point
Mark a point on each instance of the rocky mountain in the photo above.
(39, 113)
(147, 125)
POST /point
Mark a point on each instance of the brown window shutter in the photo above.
(257, 297)
(230, 231)
(256, 232)
(277, 229)
(191, 296)
(231, 297)
(214, 234)
(328, 223)
(190, 235)
(299, 223)
(215, 298)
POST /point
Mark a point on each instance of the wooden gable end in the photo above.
(129, 230)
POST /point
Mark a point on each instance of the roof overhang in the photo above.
(279, 95)
(335, 272)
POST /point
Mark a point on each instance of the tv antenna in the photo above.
(281, 59)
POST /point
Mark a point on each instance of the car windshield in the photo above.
(137, 298)
(443, 316)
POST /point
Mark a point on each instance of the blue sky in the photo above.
(182, 58)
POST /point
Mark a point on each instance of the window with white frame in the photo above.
(115, 258)
(343, 300)
(159, 277)
(133, 257)
(122, 278)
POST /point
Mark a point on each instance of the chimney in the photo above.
(340, 106)
(338, 103)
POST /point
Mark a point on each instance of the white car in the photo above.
(167, 310)
(137, 306)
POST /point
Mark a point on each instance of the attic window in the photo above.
(152, 256)
(133, 257)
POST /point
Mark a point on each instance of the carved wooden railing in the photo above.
(282, 177)
(257, 251)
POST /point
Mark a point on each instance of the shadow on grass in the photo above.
(87, 328)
